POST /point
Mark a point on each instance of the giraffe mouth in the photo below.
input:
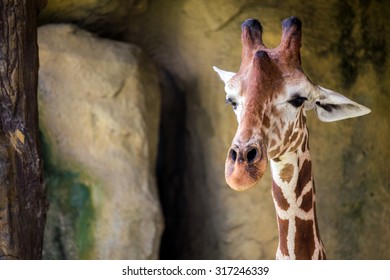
(244, 167)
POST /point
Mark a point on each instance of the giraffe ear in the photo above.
(331, 106)
(224, 75)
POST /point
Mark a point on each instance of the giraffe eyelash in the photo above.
(297, 101)
(231, 102)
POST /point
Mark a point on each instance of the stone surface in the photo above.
(345, 48)
(102, 16)
(99, 104)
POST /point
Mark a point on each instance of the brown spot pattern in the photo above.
(304, 239)
(273, 143)
(317, 228)
(274, 153)
(302, 119)
(276, 132)
(294, 137)
(287, 172)
(304, 177)
(266, 121)
(307, 201)
(288, 133)
(283, 231)
(280, 200)
(304, 144)
(297, 144)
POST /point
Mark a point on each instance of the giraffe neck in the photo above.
(294, 198)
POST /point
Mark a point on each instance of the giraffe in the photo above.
(270, 95)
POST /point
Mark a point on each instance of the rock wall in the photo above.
(345, 48)
(100, 16)
(99, 105)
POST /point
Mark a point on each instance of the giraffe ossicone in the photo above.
(270, 95)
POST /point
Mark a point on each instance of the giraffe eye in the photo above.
(232, 102)
(297, 101)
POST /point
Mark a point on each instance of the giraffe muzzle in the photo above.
(244, 166)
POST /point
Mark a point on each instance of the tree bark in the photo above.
(23, 203)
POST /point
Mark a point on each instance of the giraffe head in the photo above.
(270, 95)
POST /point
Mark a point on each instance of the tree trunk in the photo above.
(22, 191)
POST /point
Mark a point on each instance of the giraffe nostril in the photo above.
(251, 155)
(233, 154)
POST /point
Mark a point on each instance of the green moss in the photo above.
(69, 194)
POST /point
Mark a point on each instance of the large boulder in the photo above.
(102, 16)
(99, 105)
